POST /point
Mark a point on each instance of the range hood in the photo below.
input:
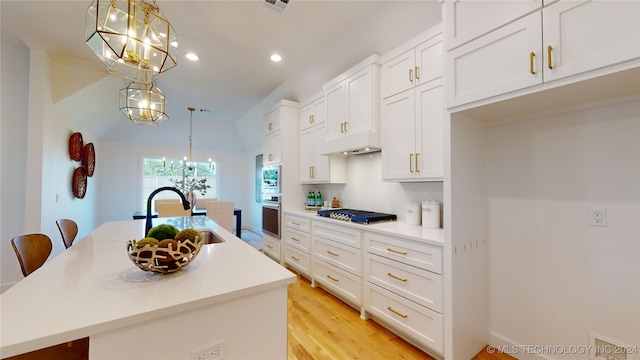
(354, 144)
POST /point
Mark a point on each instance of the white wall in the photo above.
(119, 165)
(35, 149)
(554, 278)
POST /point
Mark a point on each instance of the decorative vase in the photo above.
(191, 198)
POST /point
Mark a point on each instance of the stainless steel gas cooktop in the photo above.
(357, 216)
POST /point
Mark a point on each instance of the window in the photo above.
(160, 172)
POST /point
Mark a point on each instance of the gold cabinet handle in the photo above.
(332, 278)
(295, 258)
(269, 246)
(549, 62)
(270, 126)
(270, 157)
(531, 69)
(396, 312)
(313, 175)
(410, 162)
(332, 253)
(342, 127)
(294, 239)
(311, 119)
(345, 126)
(417, 73)
(396, 277)
(396, 251)
(295, 223)
(410, 75)
(417, 161)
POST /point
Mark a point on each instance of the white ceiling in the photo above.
(234, 39)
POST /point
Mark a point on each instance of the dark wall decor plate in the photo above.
(79, 182)
(89, 158)
(75, 146)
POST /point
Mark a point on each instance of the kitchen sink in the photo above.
(210, 237)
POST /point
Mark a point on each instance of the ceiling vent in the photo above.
(277, 5)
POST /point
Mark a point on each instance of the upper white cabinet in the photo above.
(351, 102)
(418, 61)
(280, 132)
(412, 124)
(579, 36)
(413, 119)
(565, 38)
(314, 167)
(272, 143)
(467, 20)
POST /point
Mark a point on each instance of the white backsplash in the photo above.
(365, 189)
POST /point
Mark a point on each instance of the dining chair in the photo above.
(201, 203)
(157, 202)
(221, 212)
(170, 209)
(32, 251)
(68, 229)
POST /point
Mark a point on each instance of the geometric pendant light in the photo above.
(132, 38)
(144, 104)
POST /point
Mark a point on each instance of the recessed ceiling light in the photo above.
(192, 56)
(276, 58)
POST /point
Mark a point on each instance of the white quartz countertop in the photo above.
(391, 228)
(93, 287)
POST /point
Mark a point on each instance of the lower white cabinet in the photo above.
(271, 247)
(415, 321)
(404, 287)
(337, 260)
(341, 283)
(297, 244)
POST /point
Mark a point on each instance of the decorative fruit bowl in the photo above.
(167, 257)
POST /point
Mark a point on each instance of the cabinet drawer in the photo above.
(297, 239)
(341, 234)
(342, 256)
(416, 321)
(421, 286)
(298, 260)
(271, 247)
(298, 223)
(346, 285)
(405, 251)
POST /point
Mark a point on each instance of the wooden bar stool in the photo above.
(68, 229)
(32, 251)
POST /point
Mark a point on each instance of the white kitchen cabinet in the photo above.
(297, 242)
(467, 20)
(337, 260)
(413, 140)
(404, 287)
(496, 63)
(316, 168)
(272, 122)
(272, 148)
(351, 102)
(578, 38)
(271, 247)
(416, 62)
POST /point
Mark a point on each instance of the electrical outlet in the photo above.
(598, 217)
(213, 352)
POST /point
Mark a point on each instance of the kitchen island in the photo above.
(231, 296)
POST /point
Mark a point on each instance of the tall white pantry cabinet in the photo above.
(511, 63)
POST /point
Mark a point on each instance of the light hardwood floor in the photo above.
(323, 327)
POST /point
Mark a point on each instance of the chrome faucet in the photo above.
(185, 204)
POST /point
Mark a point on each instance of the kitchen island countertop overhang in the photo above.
(93, 287)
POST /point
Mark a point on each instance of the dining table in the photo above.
(231, 297)
(142, 214)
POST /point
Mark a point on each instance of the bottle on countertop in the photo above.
(311, 198)
(319, 198)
